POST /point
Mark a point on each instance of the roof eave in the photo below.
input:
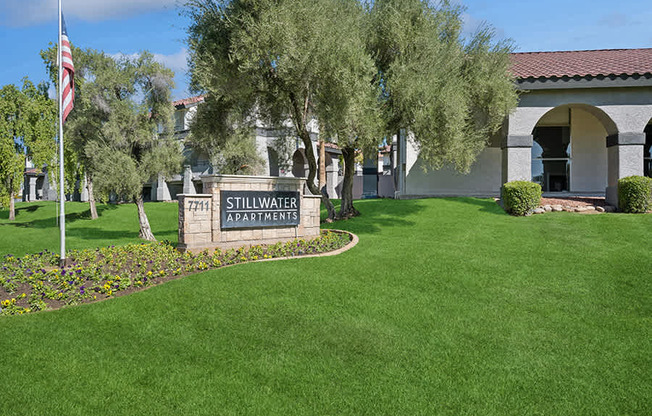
(588, 81)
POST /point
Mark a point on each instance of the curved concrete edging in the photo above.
(354, 241)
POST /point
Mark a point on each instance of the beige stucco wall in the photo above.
(623, 109)
(589, 153)
(484, 179)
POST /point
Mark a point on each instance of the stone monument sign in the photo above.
(238, 210)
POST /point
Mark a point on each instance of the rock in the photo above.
(579, 209)
(590, 208)
(568, 209)
(547, 208)
(599, 209)
(557, 208)
(539, 210)
(609, 208)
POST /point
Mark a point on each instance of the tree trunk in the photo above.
(12, 204)
(145, 230)
(91, 197)
(347, 210)
(300, 118)
(322, 165)
(312, 172)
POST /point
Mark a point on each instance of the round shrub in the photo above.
(521, 197)
(634, 193)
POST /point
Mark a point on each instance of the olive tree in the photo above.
(450, 93)
(27, 130)
(121, 129)
(280, 61)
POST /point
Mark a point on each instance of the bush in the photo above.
(521, 197)
(634, 193)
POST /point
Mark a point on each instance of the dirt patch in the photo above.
(574, 202)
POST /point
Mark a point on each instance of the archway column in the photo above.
(162, 190)
(624, 158)
(188, 186)
(332, 177)
(517, 158)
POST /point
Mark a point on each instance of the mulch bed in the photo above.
(35, 282)
(574, 201)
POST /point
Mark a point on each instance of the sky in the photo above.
(131, 26)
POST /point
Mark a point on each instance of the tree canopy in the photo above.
(285, 61)
(361, 70)
(27, 130)
(121, 129)
(450, 93)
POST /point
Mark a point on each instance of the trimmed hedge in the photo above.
(634, 194)
(521, 197)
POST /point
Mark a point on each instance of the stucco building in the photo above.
(583, 122)
(283, 155)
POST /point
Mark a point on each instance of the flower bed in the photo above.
(35, 282)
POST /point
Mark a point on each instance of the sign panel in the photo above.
(243, 209)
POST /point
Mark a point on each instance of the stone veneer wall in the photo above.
(199, 214)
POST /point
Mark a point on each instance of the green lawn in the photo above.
(446, 306)
(36, 226)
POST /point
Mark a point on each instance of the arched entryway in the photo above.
(299, 164)
(569, 149)
(272, 161)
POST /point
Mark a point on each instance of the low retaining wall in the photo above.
(256, 210)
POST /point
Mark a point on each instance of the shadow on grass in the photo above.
(91, 233)
(378, 214)
(4, 214)
(51, 221)
(484, 204)
(29, 208)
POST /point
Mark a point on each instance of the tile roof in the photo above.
(329, 145)
(603, 62)
(187, 101)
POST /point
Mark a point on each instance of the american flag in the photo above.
(68, 74)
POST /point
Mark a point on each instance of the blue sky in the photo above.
(130, 26)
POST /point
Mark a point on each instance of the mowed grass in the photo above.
(446, 306)
(36, 226)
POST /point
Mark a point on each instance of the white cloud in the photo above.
(615, 19)
(473, 24)
(178, 62)
(28, 12)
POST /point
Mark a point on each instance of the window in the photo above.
(647, 151)
(551, 157)
(180, 120)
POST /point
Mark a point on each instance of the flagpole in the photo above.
(62, 196)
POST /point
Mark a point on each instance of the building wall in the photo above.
(589, 153)
(619, 109)
(484, 179)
